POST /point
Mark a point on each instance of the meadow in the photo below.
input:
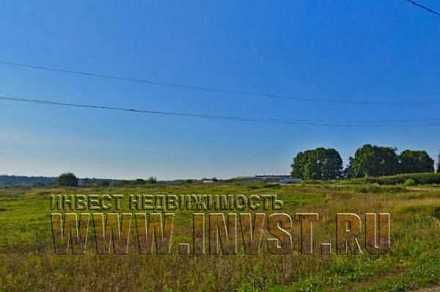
(28, 262)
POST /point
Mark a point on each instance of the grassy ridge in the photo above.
(27, 262)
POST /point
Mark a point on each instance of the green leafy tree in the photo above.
(319, 163)
(311, 170)
(68, 180)
(438, 164)
(415, 161)
(298, 165)
(371, 160)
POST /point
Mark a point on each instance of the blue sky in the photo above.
(350, 50)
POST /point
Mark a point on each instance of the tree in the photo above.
(371, 160)
(298, 165)
(415, 161)
(438, 164)
(319, 163)
(68, 180)
(152, 180)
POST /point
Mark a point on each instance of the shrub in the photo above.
(370, 189)
(410, 182)
(436, 212)
(139, 181)
(419, 178)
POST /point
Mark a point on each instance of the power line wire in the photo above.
(211, 89)
(395, 123)
(424, 7)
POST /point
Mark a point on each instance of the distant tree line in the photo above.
(14, 180)
(70, 180)
(369, 160)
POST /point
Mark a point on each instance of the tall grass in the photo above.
(27, 261)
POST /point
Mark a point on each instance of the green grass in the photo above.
(27, 261)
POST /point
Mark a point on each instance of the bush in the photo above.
(139, 181)
(370, 189)
(410, 182)
(104, 183)
(436, 212)
(419, 178)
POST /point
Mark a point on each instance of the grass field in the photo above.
(28, 263)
